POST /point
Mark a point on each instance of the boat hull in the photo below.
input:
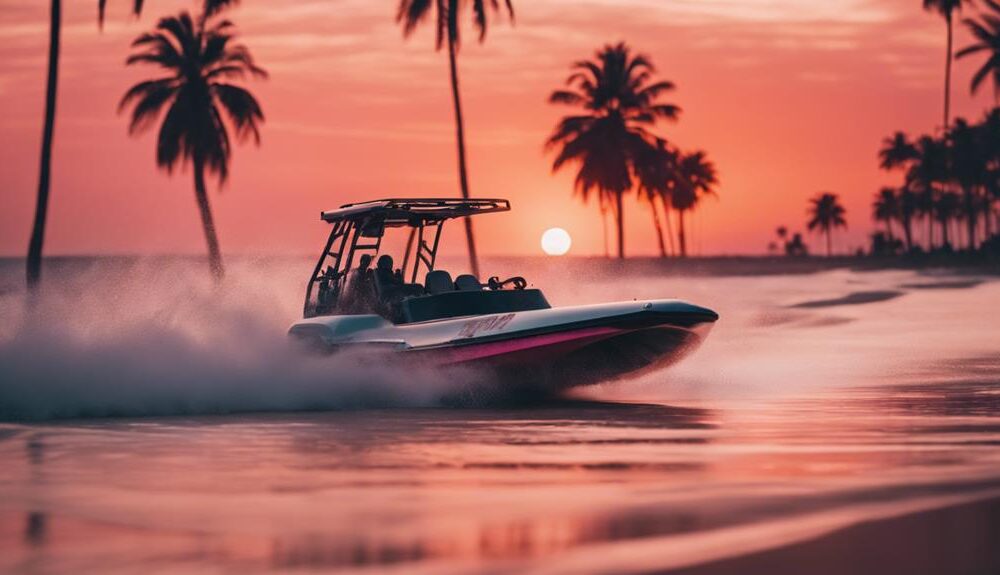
(538, 351)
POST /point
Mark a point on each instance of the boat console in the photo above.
(346, 287)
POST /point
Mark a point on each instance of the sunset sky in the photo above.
(788, 97)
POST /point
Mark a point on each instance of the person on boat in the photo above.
(359, 295)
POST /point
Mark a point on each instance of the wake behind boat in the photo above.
(502, 326)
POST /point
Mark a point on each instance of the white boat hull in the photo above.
(538, 350)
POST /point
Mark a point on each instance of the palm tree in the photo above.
(947, 9)
(886, 208)
(826, 214)
(33, 263)
(202, 106)
(968, 169)
(908, 208)
(926, 175)
(34, 260)
(986, 31)
(947, 208)
(989, 134)
(696, 179)
(656, 168)
(413, 12)
(897, 152)
(618, 103)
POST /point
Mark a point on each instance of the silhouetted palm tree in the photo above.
(618, 102)
(947, 208)
(968, 169)
(826, 213)
(989, 132)
(897, 152)
(886, 208)
(696, 178)
(926, 176)
(947, 10)
(986, 31)
(446, 12)
(33, 262)
(908, 208)
(202, 106)
(656, 168)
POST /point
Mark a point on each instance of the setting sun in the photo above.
(556, 241)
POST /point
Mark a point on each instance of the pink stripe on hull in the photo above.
(561, 342)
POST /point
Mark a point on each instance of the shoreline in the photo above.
(958, 539)
(720, 266)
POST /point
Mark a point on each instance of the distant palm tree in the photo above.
(968, 169)
(617, 103)
(897, 152)
(696, 179)
(202, 106)
(947, 208)
(656, 167)
(989, 133)
(908, 208)
(926, 177)
(33, 262)
(826, 213)
(947, 9)
(986, 31)
(886, 208)
(413, 12)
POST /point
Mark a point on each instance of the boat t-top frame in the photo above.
(360, 227)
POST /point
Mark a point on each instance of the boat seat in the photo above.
(438, 281)
(385, 280)
(468, 282)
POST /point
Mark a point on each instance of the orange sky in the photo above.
(789, 97)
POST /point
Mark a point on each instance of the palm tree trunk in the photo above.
(944, 233)
(908, 234)
(207, 223)
(988, 219)
(970, 217)
(947, 71)
(668, 227)
(604, 224)
(681, 239)
(829, 242)
(34, 261)
(930, 233)
(620, 219)
(463, 178)
(659, 228)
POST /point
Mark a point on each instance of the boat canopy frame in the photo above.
(359, 227)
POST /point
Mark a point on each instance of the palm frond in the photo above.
(213, 7)
(566, 97)
(242, 109)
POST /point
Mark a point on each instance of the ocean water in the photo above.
(836, 421)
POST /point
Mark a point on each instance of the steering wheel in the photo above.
(518, 282)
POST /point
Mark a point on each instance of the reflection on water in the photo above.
(34, 528)
(856, 436)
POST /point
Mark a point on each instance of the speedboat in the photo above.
(357, 299)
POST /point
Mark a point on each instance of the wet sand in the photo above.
(958, 540)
